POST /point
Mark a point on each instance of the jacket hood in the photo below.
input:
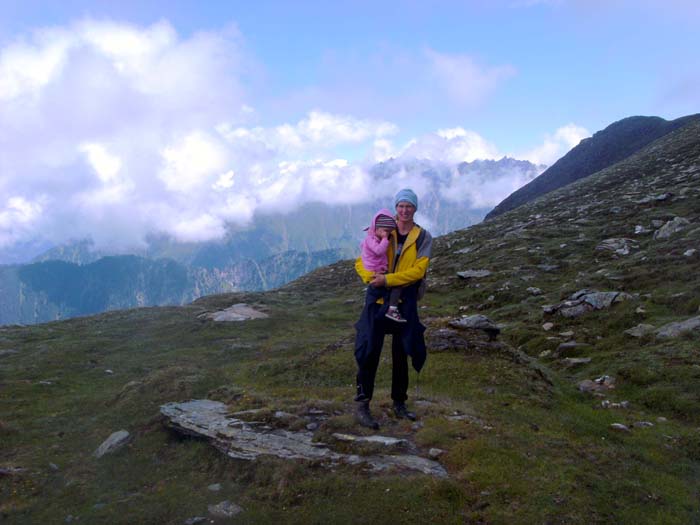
(383, 211)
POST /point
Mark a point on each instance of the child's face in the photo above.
(384, 233)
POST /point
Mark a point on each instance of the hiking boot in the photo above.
(394, 314)
(364, 417)
(401, 412)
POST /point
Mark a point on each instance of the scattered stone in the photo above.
(687, 253)
(639, 229)
(641, 330)
(601, 384)
(387, 441)
(477, 274)
(532, 290)
(609, 404)
(7, 352)
(11, 471)
(53, 466)
(280, 414)
(248, 440)
(225, 509)
(237, 312)
(547, 326)
(570, 347)
(464, 250)
(620, 246)
(568, 333)
(312, 426)
(435, 452)
(575, 361)
(643, 424)
(108, 371)
(679, 328)
(548, 267)
(545, 353)
(214, 487)
(46, 383)
(113, 443)
(477, 322)
(671, 227)
(620, 427)
(640, 310)
(195, 520)
(661, 419)
(456, 416)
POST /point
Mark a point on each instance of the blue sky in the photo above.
(206, 112)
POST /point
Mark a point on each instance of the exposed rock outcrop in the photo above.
(246, 440)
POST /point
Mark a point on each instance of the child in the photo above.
(374, 256)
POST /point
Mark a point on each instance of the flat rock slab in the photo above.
(387, 441)
(585, 301)
(476, 274)
(641, 330)
(677, 329)
(237, 312)
(247, 440)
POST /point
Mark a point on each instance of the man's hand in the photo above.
(378, 281)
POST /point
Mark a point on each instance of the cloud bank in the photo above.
(113, 132)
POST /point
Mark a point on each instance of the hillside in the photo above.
(606, 147)
(567, 417)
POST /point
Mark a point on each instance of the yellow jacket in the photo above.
(412, 263)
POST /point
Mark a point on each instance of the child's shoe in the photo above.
(394, 314)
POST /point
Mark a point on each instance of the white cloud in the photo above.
(191, 162)
(453, 145)
(105, 164)
(465, 81)
(556, 145)
(113, 131)
(317, 131)
(17, 217)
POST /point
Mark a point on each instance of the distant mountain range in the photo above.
(75, 279)
(613, 144)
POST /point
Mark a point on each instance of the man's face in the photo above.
(405, 211)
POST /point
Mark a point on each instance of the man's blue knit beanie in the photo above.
(406, 195)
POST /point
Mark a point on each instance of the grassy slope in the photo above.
(533, 452)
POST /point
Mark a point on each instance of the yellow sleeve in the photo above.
(365, 275)
(414, 274)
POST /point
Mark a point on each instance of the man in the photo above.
(408, 258)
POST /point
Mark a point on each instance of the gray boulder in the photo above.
(641, 330)
(620, 246)
(113, 443)
(671, 227)
(236, 312)
(477, 322)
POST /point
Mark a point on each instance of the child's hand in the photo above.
(382, 233)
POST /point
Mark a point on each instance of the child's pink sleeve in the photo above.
(378, 247)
